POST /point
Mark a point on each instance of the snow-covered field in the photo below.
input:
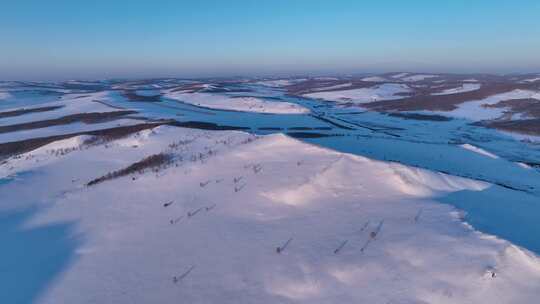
(374, 78)
(415, 78)
(467, 87)
(69, 104)
(244, 104)
(277, 83)
(476, 110)
(363, 95)
(334, 87)
(206, 227)
(329, 205)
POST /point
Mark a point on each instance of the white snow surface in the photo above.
(4, 95)
(278, 83)
(334, 87)
(71, 104)
(247, 197)
(478, 150)
(374, 78)
(466, 87)
(64, 129)
(245, 104)
(419, 77)
(363, 95)
(532, 79)
(474, 110)
(400, 75)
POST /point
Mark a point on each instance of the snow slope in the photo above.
(363, 95)
(350, 229)
(69, 103)
(278, 83)
(415, 78)
(467, 87)
(334, 87)
(374, 78)
(244, 104)
(64, 129)
(474, 110)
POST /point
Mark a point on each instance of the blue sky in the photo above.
(100, 39)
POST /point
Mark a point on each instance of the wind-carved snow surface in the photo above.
(206, 228)
(244, 104)
(387, 91)
(478, 150)
(475, 110)
(466, 87)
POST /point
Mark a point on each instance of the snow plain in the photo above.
(363, 95)
(419, 77)
(476, 110)
(467, 87)
(278, 83)
(237, 103)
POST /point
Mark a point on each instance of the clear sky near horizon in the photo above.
(136, 38)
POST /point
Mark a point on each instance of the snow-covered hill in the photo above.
(205, 227)
(165, 191)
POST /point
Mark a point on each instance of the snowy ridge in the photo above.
(206, 228)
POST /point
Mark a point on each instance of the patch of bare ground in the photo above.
(419, 116)
(449, 102)
(155, 161)
(132, 95)
(28, 111)
(524, 126)
(88, 118)
(529, 107)
(311, 135)
(23, 146)
(205, 125)
(314, 85)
